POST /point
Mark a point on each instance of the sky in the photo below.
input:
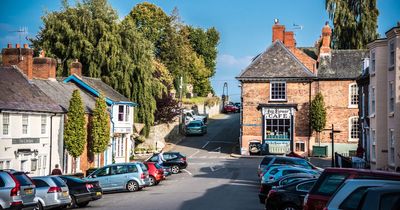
(244, 25)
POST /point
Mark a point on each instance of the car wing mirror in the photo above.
(93, 176)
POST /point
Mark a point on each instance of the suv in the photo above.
(331, 179)
(380, 198)
(175, 160)
(51, 192)
(121, 176)
(269, 160)
(16, 190)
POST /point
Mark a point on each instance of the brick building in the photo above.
(279, 84)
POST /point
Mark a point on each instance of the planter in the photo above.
(320, 151)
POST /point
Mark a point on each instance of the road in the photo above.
(212, 181)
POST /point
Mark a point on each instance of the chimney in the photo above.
(76, 68)
(44, 68)
(289, 40)
(26, 46)
(278, 31)
(326, 40)
(9, 45)
(21, 57)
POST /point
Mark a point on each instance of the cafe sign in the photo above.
(26, 141)
(276, 113)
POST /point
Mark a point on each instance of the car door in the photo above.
(119, 176)
(103, 176)
(303, 188)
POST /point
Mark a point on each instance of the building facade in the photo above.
(279, 85)
(384, 101)
(363, 107)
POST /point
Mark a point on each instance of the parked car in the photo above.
(16, 190)
(238, 105)
(381, 198)
(121, 176)
(274, 159)
(284, 180)
(156, 173)
(331, 179)
(51, 192)
(277, 172)
(255, 147)
(289, 197)
(82, 191)
(167, 170)
(349, 194)
(175, 160)
(230, 108)
(190, 115)
(196, 127)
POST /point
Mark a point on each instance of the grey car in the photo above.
(122, 176)
(51, 192)
(16, 190)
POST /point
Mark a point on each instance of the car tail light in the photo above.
(271, 193)
(183, 158)
(54, 190)
(16, 203)
(89, 186)
(143, 176)
(15, 190)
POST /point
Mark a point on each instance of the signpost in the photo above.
(332, 135)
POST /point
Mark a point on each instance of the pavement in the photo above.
(214, 180)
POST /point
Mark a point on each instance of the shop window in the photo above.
(278, 91)
(300, 147)
(277, 129)
(33, 164)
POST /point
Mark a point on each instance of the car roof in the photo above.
(118, 164)
(369, 181)
(362, 171)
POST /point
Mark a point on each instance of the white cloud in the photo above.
(230, 61)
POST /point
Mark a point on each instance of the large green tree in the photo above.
(355, 22)
(75, 129)
(318, 114)
(100, 126)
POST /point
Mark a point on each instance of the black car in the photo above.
(289, 197)
(284, 180)
(82, 191)
(175, 160)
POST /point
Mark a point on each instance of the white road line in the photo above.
(197, 151)
(204, 146)
(187, 172)
(212, 169)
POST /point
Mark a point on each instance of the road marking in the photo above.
(197, 151)
(187, 172)
(205, 144)
(216, 150)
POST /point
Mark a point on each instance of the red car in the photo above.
(331, 179)
(156, 173)
(231, 108)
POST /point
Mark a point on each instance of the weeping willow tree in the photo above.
(355, 22)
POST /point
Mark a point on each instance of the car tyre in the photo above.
(132, 186)
(39, 206)
(73, 202)
(289, 207)
(83, 204)
(175, 169)
(152, 181)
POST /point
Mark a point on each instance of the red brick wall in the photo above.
(305, 59)
(44, 68)
(21, 57)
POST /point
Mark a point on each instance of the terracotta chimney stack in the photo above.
(76, 68)
(21, 57)
(17, 46)
(44, 68)
(289, 40)
(26, 46)
(9, 45)
(326, 40)
(278, 31)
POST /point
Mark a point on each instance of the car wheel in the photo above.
(152, 181)
(289, 207)
(73, 201)
(175, 169)
(132, 186)
(83, 204)
(38, 206)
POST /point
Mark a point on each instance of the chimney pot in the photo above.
(276, 20)
(9, 45)
(17, 46)
(26, 46)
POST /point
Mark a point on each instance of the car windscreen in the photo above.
(192, 125)
(59, 182)
(300, 162)
(22, 178)
(330, 183)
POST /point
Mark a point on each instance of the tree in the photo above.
(100, 126)
(355, 22)
(318, 115)
(74, 129)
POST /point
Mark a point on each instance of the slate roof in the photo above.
(341, 64)
(19, 94)
(61, 93)
(276, 62)
(101, 86)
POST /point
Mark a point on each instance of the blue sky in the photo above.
(244, 25)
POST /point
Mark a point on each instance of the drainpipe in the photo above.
(309, 124)
(51, 140)
(112, 142)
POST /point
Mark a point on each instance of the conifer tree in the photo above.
(318, 115)
(100, 126)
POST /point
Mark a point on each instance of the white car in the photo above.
(349, 194)
(191, 116)
(275, 172)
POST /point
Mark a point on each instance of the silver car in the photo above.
(122, 176)
(51, 192)
(16, 190)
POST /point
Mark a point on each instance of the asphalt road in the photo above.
(212, 181)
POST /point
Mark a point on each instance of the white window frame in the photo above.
(392, 50)
(270, 90)
(125, 113)
(27, 124)
(372, 106)
(3, 164)
(119, 147)
(351, 121)
(363, 102)
(6, 124)
(353, 87)
(373, 63)
(391, 140)
(391, 98)
(373, 144)
(43, 124)
(299, 143)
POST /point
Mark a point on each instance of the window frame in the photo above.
(300, 146)
(392, 57)
(373, 144)
(272, 83)
(373, 62)
(23, 124)
(353, 92)
(6, 125)
(351, 122)
(391, 98)
(372, 99)
(43, 124)
(391, 144)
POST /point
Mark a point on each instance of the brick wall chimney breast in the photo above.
(76, 68)
(21, 57)
(326, 40)
(44, 68)
(278, 31)
(289, 40)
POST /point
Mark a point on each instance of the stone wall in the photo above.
(161, 134)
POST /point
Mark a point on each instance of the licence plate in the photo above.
(98, 193)
(65, 193)
(28, 191)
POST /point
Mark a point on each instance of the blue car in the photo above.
(121, 176)
(196, 127)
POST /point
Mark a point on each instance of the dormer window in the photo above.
(278, 91)
(123, 113)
